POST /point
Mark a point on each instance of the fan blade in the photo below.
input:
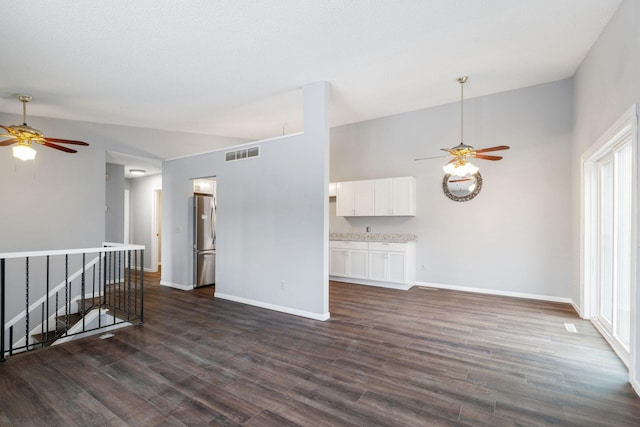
(8, 142)
(448, 150)
(459, 180)
(496, 148)
(58, 147)
(66, 141)
(485, 157)
(427, 158)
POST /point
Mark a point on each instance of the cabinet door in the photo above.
(345, 199)
(377, 265)
(358, 264)
(363, 205)
(403, 196)
(338, 262)
(397, 267)
(382, 197)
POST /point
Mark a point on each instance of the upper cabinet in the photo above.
(395, 196)
(354, 198)
(377, 197)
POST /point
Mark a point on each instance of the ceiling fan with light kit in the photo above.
(462, 181)
(23, 135)
(460, 165)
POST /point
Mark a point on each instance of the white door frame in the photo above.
(155, 208)
(625, 127)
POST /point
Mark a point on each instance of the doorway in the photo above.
(156, 230)
(609, 247)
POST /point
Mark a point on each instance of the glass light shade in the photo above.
(137, 172)
(472, 187)
(24, 152)
(448, 168)
(461, 170)
(471, 168)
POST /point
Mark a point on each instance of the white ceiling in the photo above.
(235, 68)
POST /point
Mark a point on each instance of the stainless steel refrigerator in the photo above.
(204, 240)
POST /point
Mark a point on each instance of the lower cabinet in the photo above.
(373, 263)
(348, 259)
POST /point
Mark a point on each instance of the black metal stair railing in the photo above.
(103, 293)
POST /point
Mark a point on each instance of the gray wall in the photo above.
(515, 236)
(272, 218)
(58, 202)
(606, 85)
(141, 214)
(114, 203)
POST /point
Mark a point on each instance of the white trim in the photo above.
(90, 317)
(626, 127)
(389, 285)
(280, 308)
(176, 285)
(112, 247)
(498, 292)
(615, 346)
(635, 384)
(245, 144)
(155, 259)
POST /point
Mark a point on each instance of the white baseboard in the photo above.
(635, 385)
(390, 285)
(498, 292)
(273, 307)
(176, 285)
(150, 270)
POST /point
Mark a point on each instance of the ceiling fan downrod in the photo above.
(24, 99)
(462, 80)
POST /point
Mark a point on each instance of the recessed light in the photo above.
(137, 172)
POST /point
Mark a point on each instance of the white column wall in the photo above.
(272, 218)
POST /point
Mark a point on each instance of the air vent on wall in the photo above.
(242, 154)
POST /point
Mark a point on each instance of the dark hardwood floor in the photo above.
(416, 358)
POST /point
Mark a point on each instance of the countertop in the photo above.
(373, 237)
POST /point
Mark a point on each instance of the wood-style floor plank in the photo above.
(385, 358)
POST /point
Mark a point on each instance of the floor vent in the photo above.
(570, 327)
(244, 153)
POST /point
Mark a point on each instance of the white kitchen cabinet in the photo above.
(377, 197)
(395, 196)
(388, 262)
(354, 198)
(348, 259)
(383, 264)
(338, 262)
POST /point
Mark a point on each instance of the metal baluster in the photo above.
(100, 267)
(141, 286)
(82, 293)
(47, 300)
(66, 292)
(116, 285)
(42, 334)
(93, 286)
(129, 286)
(135, 276)
(10, 341)
(26, 291)
(2, 307)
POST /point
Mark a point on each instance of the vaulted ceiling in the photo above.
(235, 68)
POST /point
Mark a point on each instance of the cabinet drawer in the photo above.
(387, 247)
(341, 244)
